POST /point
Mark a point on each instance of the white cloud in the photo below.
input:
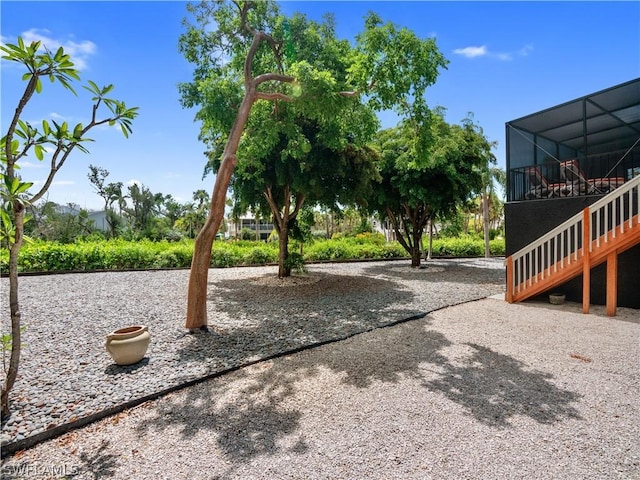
(483, 51)
(79, 51)
(30, 165)
(471, 52)
(134, 181)
(55, 182)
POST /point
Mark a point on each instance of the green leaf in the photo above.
(6, 219)
(59, 54)
(45, 127)
(92, 87)
(38, 85)
(22, 187)
(39, 151)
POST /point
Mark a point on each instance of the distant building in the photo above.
(99, 220)
(262, 229)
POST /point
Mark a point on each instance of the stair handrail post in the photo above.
(510, 283)
(586, 253)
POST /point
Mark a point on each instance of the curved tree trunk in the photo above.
(199, 276)
(14, 307)
(197, 292)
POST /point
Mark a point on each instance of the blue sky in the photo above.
(507, 60)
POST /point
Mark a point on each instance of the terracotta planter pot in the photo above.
(128, 345)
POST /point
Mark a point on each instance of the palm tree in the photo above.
(490, 177)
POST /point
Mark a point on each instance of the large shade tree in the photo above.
(427, 168)
(281, 180)
(25, 140)
(245, 54)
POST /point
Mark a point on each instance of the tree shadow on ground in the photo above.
(332, 307)
(494, 387)
(96, 466)
(100, 464)
(470, 272)
(244, 410)
(259, 410)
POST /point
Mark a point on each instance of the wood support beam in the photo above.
(612, 284)
(586, 264)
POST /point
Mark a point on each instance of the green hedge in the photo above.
(346, 248)
(466, 246)
(120, 254)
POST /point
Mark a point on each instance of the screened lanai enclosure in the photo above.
(587, 146)
(562, 160)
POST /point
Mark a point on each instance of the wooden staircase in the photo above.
(597, 234)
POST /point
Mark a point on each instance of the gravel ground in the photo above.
(479, 390)
(66, 374)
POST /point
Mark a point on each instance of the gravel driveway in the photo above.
(479, 390)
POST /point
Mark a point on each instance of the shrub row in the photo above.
(121, 254)
(466, 246)
(351, 248)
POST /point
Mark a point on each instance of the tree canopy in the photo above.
(427, 168)
(246, 52)
(23, 139)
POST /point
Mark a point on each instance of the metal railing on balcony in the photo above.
(594, 175)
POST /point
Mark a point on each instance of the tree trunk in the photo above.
(415, 257)
(415, 248)
(198, 278)
(430, 239)
(14, 307)
(284, 269)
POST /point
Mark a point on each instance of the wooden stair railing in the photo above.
(607, 228)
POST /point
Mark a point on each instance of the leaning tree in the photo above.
(245, 54)
(23, 139)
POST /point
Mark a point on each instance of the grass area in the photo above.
(120, 254)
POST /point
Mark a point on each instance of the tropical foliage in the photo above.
(59, 140)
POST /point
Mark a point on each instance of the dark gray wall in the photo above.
(526, 221)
